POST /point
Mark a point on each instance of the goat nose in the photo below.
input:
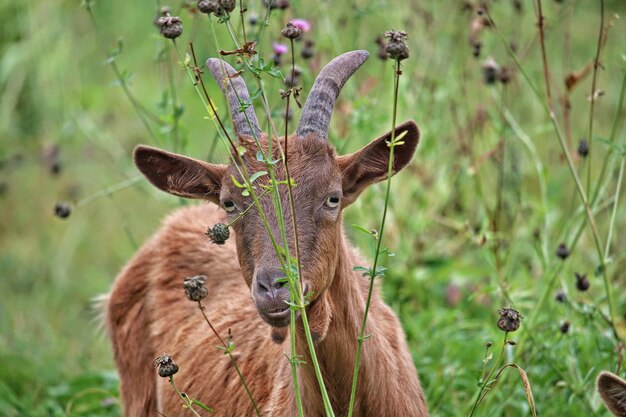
(269, 281)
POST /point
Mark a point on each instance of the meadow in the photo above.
(503, 205)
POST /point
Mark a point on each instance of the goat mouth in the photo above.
(277, 316)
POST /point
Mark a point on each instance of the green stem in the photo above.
(607, 247)
(596, 64)
(139, 109)
(110, 190)
(487, 380)
(373, 274)
(184, 397)
(227, 351)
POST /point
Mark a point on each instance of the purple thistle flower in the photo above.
(279, 48)
(303, 25)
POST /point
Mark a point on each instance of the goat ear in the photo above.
(371, 163)
(180, 175)
(613, 391)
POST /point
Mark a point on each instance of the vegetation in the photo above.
(514, 199)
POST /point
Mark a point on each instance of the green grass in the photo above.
(56, 89)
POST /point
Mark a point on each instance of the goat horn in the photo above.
(235, 90)
(319, 105)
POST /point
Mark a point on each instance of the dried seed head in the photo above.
(490, 71)
(165, 366)
(583, 148)
(562, 251)
(565, 327)
(291, 31)
(560, 296)
(582, 282)
(218, 234)
(62, 210)
(208, 6)
(509, 320)
(195, 289)
(171, 26)
(396, 48)
(228, 5)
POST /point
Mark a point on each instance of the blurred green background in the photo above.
(475, 220)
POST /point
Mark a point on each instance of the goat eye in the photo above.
(332, 201)
(229, 206)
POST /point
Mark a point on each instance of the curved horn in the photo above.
(321, 101)
(235, 90)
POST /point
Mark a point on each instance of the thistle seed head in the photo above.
(165, 366)
(396, 48)
(291, 31)
(195, 289)
(218, 234)
(562, 251)
(509, 320)
(171, 26)
(582, 282)
(62, 210)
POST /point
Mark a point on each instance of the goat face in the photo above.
(323, 185)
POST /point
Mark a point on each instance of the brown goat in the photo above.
(613, 392)
(147, 313)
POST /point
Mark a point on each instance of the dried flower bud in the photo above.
(228, 5)
(195, 289)
(565, 327)
(489, 344)
(396, 48)
(560, 296)
(208, 6)
(165, 365)
(490, 71)
(562, 251)
(218, 234)
(583, 148)
(509, 320)
(291, 31)
(171, 26)
(62, 210)
(582, 282)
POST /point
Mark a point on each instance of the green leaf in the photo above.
(256, 176)
(237, 183)
(201, 405)
(362, 229)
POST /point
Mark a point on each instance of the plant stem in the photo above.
(228, 352)
(479, 397)
(373, 273)
(596, 64)
(184, 397)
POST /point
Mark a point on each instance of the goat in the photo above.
(147, 314)
(613, 392)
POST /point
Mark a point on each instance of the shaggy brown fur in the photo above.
(148, 314)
